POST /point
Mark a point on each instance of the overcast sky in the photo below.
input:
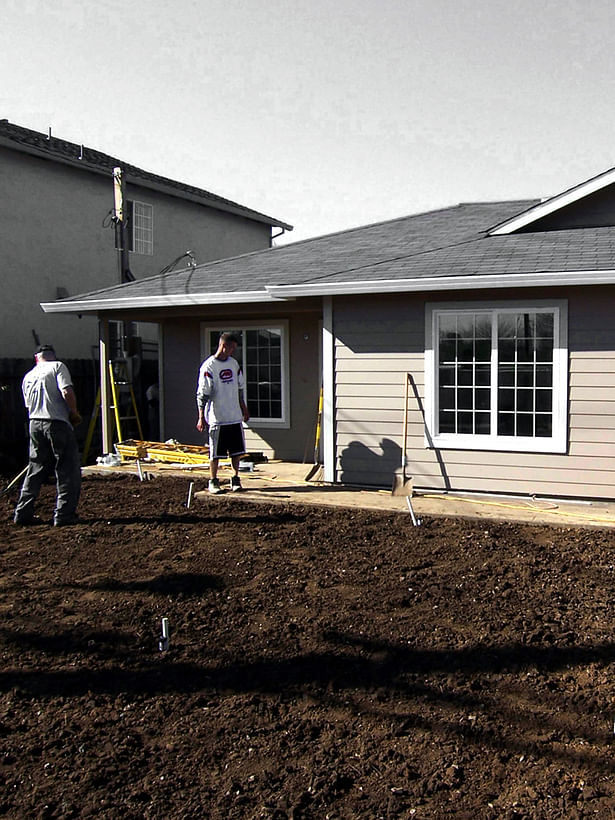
(325, 115)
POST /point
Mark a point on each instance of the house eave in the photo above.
(441, 283)
(140, 302)
(276, 293)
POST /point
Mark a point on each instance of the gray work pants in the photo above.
(53, 448)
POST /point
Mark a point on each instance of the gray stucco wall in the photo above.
(52, 236)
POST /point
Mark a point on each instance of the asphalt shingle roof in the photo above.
(445, 243)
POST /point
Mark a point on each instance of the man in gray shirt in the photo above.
(52, 409)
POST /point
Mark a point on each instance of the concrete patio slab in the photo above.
(284, 482)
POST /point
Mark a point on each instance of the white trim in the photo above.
(438, 283)
(557, 443)
(162, 406)
(105, 393)
(250, 324)
(274, 293)
(328, 390)
(554, 203)
(170, 300)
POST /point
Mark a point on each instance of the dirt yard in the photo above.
(323, 663)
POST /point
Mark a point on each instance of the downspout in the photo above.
(275, 236)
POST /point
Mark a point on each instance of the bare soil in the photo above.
(323, 662)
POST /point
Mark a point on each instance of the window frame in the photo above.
(558, 441)
(241, 326)
(146, 244)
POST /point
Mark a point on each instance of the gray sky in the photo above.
(325, 115)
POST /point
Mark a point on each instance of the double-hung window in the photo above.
(263, 356)
(496, 377)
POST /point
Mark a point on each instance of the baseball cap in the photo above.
(45, 349)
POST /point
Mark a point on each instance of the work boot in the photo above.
(68, 521)
(236, 484)
(28, 522)
(214, 486)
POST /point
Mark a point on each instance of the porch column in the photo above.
(105, 401)
(328, 390)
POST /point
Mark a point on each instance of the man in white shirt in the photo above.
(220, 404)
(52, 409)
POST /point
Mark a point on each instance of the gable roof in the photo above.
(555, 203)
(447, 249)
(51, 148)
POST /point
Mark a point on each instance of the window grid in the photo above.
(465, 375)
(525, 374)
(259, 353)
(513, 351)
(143, 228)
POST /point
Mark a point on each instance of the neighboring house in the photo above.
(57, 238)
(502, 313)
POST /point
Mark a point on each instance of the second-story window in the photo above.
(139, 227)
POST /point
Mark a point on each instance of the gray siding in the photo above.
(379, 339)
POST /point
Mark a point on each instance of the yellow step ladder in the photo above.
(118, 377)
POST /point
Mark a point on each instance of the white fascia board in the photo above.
(170, 300)
(554, 204)
(508, 280)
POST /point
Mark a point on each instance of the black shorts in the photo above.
(226, 439)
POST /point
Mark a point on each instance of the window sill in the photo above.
(497, 444)
(266, 424)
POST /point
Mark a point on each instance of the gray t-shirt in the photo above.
(42, 391)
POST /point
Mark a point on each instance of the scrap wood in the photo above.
(162, 451)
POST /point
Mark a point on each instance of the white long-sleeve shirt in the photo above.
(218, 391)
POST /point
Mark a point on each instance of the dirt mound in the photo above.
(323, 663)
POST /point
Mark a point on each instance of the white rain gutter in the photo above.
(288, 292)
(438, 283)
(169, 300)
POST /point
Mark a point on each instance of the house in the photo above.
(57, 235)
(58, 238)
(501, 312)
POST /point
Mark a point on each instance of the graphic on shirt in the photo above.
(226, 375)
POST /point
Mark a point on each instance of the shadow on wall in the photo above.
(360, 465)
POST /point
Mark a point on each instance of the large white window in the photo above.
(263, 356)
(496, 377)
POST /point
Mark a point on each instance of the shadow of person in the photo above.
(361, 465)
